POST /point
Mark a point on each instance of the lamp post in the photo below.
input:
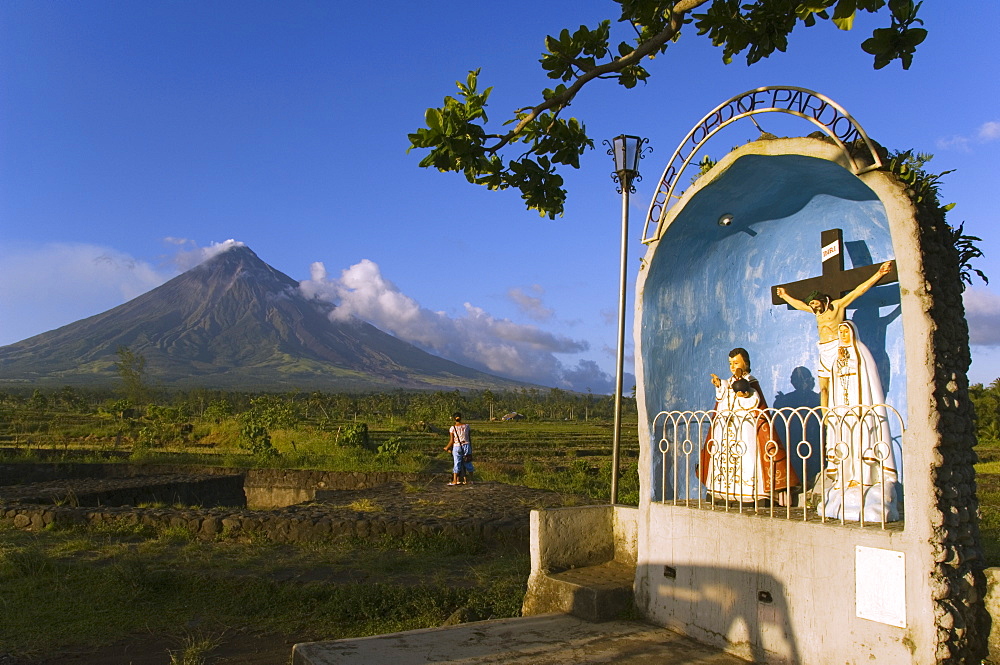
(627, 151)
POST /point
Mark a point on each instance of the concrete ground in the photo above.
(550, 639)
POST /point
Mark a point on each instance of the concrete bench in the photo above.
(582, 561)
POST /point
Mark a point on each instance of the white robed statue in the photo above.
(861, 471)
(743, 459)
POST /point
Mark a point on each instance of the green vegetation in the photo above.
(523, 152)
(94, 586)
(97, 585)
(923, 188)
(563, 443)
(196, 649)
(131, 368)
(987, 402)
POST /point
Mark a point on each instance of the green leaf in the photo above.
(806, 10)
(903, 11)
(845, 9)
(457, 138)
(433, 119)
(844, 23)
(880, 42)
(914, 37)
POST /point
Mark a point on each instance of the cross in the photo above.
(834, 281)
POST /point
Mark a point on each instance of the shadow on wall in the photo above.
(744, 611)
(803, 395)
(779, 205)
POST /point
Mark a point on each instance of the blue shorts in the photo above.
(458, 453)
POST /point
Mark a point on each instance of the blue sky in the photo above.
(137, 138)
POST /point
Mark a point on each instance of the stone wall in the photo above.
(34, 496)
(958, 581)
(19, 474)
(329, 480)
(288, 525)
(282, 526)
(167, 489)
(11, 474)
(257, 484)
(275, 488)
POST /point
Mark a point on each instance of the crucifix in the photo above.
(837, 289)
(834, 281)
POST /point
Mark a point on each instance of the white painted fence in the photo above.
(843, 457)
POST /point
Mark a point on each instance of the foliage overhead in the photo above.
(456, 134)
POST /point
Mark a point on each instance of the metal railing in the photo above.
(803, 463)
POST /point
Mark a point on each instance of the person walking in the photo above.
(460, 445)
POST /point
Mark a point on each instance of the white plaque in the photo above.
(831, 250)
(880, 585)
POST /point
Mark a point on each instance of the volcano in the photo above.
(234, 322)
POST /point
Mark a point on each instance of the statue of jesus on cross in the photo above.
(830, 312)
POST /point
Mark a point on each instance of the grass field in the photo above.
(564, 456)
(67, 590)
(84, 587)
(988, 492)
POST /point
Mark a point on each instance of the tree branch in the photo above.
(456, 132)
(645, 48)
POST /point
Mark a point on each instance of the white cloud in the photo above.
(988, 131)
(476, 339)
(959, 143)
(985, 367)
(587, 373)
(45, 287)
(48, 286)
(982, 311)
(532, 306)
(192, 254)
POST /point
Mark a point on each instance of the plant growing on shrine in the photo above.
(923, 188)
(456, 134)
(967, 250)
(704, 166)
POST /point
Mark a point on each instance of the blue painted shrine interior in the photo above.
(708, 287)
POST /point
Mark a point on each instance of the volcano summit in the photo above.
(233, 322)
